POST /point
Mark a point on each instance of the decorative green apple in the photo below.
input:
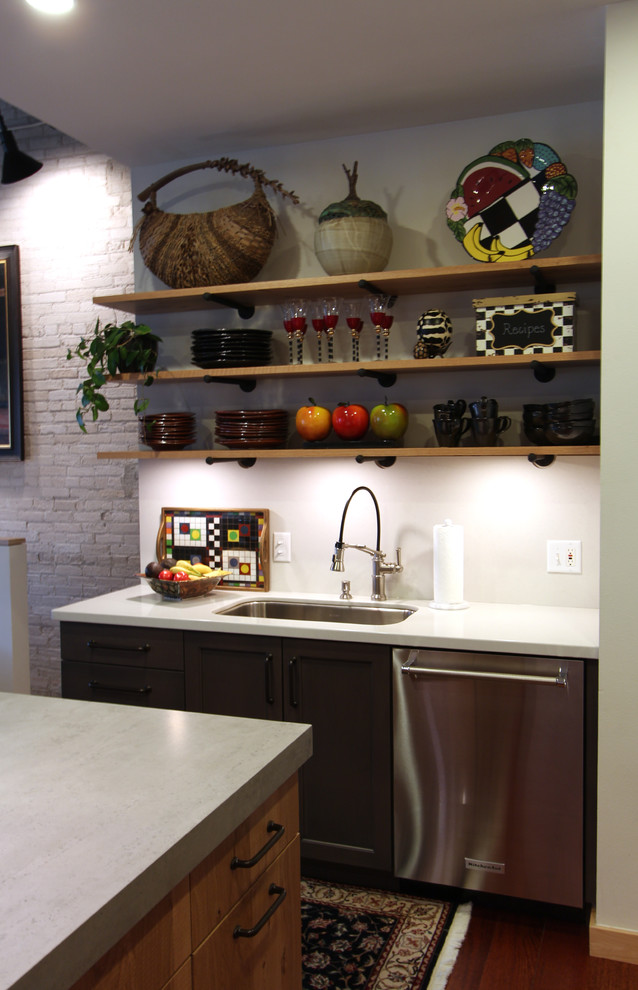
(313, 422)
(389, 420)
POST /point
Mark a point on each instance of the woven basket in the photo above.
(223, 247)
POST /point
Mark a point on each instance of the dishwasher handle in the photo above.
(560, 679)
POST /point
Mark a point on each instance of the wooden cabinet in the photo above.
(235, 922)
(344, 692)
(126, 665)
(422, 281)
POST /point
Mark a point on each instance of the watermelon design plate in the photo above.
(511, 203)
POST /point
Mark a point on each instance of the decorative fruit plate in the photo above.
(511, 203)
(179, 590)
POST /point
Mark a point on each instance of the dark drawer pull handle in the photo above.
(246, 864)
(251, 932)
(93, 644)
(292, 681)
(97, 686)
(270, 684)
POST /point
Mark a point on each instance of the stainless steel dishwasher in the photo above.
(488, 773)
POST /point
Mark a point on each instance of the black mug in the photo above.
(449, 431)
(484, 408)
(487, 431)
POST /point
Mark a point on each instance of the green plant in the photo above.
(113, 349)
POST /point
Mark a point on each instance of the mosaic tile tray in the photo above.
(235, 540)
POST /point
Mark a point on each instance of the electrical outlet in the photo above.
(281, 552)
(564, 557)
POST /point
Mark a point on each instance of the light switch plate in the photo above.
(564, 557)
(281, 548)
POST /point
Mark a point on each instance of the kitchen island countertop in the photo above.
(541, 630)
(105, 808)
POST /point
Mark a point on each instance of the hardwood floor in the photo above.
(515, 950)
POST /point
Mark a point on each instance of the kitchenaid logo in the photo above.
(485, 865)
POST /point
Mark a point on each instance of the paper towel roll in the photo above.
(448, 565)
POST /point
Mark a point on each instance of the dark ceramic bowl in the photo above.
(570, 431)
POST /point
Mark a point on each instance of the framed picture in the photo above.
(11, 424)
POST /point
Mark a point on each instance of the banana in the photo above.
(184, 565)
(513, 254)
(473, 246)
(203, 569)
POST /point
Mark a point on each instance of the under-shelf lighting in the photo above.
(52, 6)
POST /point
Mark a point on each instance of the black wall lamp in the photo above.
(16, 165)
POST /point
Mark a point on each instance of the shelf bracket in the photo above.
(376, 291)
(541, 283)
(245, 384)
(244, 312)
(382, 462)
(385, 378)
(543, 372)
(541, 460)
(244, 462)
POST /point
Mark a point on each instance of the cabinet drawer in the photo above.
(217, 884)
(141, 686)
(271, 957)
(139, 646)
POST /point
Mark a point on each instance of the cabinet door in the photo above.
(233, 675)
(344, 691)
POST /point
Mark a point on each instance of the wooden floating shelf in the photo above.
(372, 453)
(406, 366)
(415, 281)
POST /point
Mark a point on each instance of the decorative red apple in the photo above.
(165, 575)
(180, 576)
(313, 422)
(350, 421)
(389, 420)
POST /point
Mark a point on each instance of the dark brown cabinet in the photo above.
(344, 691)
(126, 665)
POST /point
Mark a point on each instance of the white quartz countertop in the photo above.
(530, 629)
(105, 808)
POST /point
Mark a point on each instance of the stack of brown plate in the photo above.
(251, 428)
(168, 431)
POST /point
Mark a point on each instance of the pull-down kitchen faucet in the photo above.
(379, 566)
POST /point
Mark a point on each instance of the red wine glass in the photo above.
(354, 321)
(318, 324)
(382, 321)
(330, 319)
(287, 310)
(299, 325)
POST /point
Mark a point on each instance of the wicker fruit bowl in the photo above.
(180, 590)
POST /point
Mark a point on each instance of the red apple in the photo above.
(165, 575)
(350, 421)
(389, 420)
(313, 421)
(180, 576)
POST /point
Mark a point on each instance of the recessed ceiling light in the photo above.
(52, 6)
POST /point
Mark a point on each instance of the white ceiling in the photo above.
(148, 81)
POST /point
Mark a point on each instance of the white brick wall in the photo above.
(79, 516)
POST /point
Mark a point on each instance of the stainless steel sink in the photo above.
(269, 608)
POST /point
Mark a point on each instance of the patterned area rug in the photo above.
(359, 939)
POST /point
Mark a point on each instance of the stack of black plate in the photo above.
(239, 428)
(231, 348)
